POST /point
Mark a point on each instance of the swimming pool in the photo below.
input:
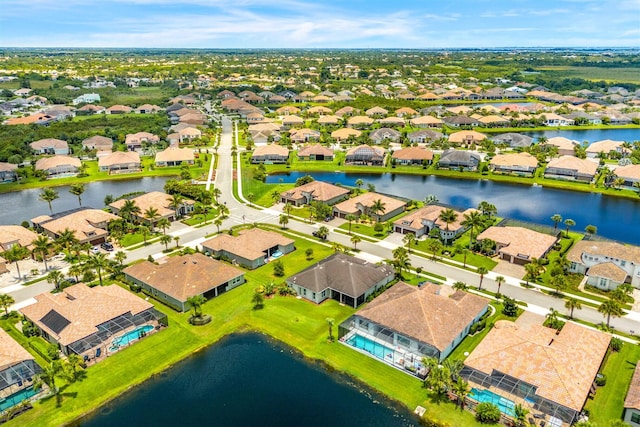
(378, 350)
(16, 398)
(131, 336)
(506, 406)
(276, 254)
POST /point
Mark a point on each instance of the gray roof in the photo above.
(343, 273)
(514, 139)
(458, 156)
(460, 120)
(426, 133)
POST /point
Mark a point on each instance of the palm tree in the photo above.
(129, 209)
(6, 301)
(401, 260)
(448, 216)
(611, 308)
(460, 286)
(275, 196)
(77, 190)
(216, 193)
(163, 223)
(569, 223)
(330, 322)
(434, 246)
(74, 363)
(176, 201)
(520, 415)
(591, 229)
(481, 271)
(76, 270)
(533, 270)
(165, 240)
(151, 214)
(287, 209)
(55, 278)
(284, 220)
(177, 240)
(559, 282)
(350, 218)
(196, 302)
(48, 376)
(487, 208)
(120, 256)
(561, 262)
(42, 245)
(144, 230)
(49, 195)
(473, 221)
(99, 263)
(355, 240)
(431, 198)
(461, 390)
(376, 208)
(572, 304)
(465, 253)
(14, 254)
(218, 223)
(359, 183)
(499, 281)
(557, 219)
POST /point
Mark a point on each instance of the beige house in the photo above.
(315, 191)
(328, 120)
(98, 143)
(134, 140)
(292, 121)
(565, 146)
(514, 163)
(519, 245)
(120, 162)
(365, 155)
(119, 109)
(159, 201)
(188, 134)
(18, 368)
(605, 147)
(630, 174)
(360, 121)
(467, 137)
(362, 205)
(87, 225)
(571, 168)
(8, 172)
(422, 221)
(50, 146)
(376, 112)
(268, 154)
(315, 152)
(11, 235)
(344, 134)
(176, 279)
(59, 166)
(426, 122)
(412, 156)
(174, 156)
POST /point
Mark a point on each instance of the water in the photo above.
(364, 343)
(616, 218)
(17, 398)
(248, 380)
(134, 335)
(591, 135)
(506, 406)
(26, 204)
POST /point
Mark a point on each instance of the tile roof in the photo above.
(515, 159)
(119, 157)
(270, 149)
(99, 142)
(7, 167)
(466, 135)
(582, 166)
(81, 222)
(11, 353)
(431, 213)
(413, 153)
(346, 274)
(154, 199)
(84, 308)
(175, 154)
(357, 120)
(519, 241)
(345, 133)
(52, 162)
(609, 249)
(562, 142)
(608, 270)
(432, 314)
(315, 149)
(562, 366)
(633, 395)
(248, 244)
(48, 143)
(367, 200)
(426, 120)
(320, 190)
(604, 146)
(628, 172)
(12, 233)
(182, 277)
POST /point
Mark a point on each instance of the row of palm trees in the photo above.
(48, 195)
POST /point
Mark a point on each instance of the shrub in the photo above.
(616, 344)
(53, 352)
(487, 413)
(278, 268)
(509, 307)
(601, 380)
(30, 330)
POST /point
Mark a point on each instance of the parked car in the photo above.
(107, 246)
(319, 235)
(95, 250)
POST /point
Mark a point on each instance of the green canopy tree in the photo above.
(6, 301)
(609, 309)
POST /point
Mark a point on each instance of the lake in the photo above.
(246, 380)
(18, 206)
(591, 135)
(616, 218)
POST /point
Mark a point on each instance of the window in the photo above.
(603, 282)
(623, 263)
(635, 418)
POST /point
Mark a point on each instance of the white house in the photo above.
(606, 264)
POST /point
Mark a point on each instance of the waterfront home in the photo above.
(365, 155)
(174, 156)
(11, 235)
(459, 159)
(315, 152)
(314, 191)
(270, 154)
(630, 174)
(175, 279)
(565, 146)
(359, 121)
(120, 162)
(519, 245)
(412, 156)
(409, 323)
(162, 202)
(88, 225)
(18, 369)
(250, 248)
(8, 172)
(421, 221)
(461, 121)
(98, 143)
(514, 140)
(571, 168)
(134, 141)
(424, 136)
(523, 164)
(606, 264)
(59, 166)
(606, 147)
(347, 279)
(363, 203)
(88, 321)
(50, 146)
(344, 134)
(632, 401)
(426, 122)
(549, 372)
(467, 137)
(553, 119)
(385, 134)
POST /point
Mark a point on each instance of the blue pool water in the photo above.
(16, 398)
(276, 254)
(506, 406)
(364, 343)
(131, 336)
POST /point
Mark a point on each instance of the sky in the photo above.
(420, 24)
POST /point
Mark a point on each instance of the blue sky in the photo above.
(319, 24)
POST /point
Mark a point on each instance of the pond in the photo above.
(616, 218)
(591, 135)
(18, 206)
(245, 380)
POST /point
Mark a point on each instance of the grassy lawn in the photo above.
(366, 229)
(608, 402)
(295, 322)
(136, 238)
(628, 75)
(197, 219)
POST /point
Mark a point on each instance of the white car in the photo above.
(95, 250)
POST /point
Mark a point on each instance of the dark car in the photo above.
(319, 235)
(107, 246)
(328, 218)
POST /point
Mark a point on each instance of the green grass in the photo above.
(136, 238)
(366, 230)
(626, 75)
(197, 219)
(608, 403)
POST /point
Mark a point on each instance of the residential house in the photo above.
(523, 164)
(424, 136)
(421, 221)
(176, 279)
(346, 111)
(292, 121)
(519, 245)
(40, 119)
(319, 110)
(18, 371)
(50, 146)
(148, 109)
(459, 159)
(410, 323)
(8, 172)
(287, 110)
(378, 136)
(188, 134)
(98, 143)
(467, 137)
(571, 168)
(342, 135)
(392, 121)
(606, 147)
(87, 98)
(315, 152)
(174, 156)
(632, 401)
(461, 121)
(426, 122)
(269, 154)
(84, 321)
(565, 146)
(630, 174)
(120, 162)
(250, 248)
(158, 200)
(88, 225)
(606, 264)
(59, 166)
(359, 121)
(304, 135)
(119, 109)
(363, 203)
(89, 109)
(314, 191)
(406, 112)
(347, 279)
(412, 156)
(553, 119)
(376, 112)
(550, 372)
(328, 120)
(365, 155)
(11, 235)
(513, 140)
(134, 141)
